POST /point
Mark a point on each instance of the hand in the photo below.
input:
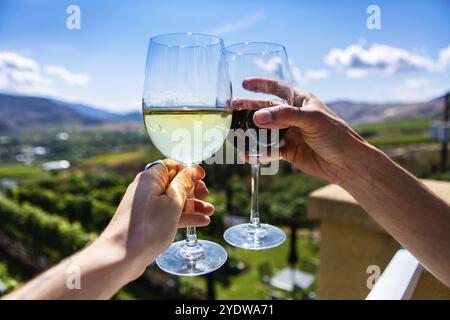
(143, 226)
(317, 142)
(320, 143)
(152, 209)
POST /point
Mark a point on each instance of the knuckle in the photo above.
(185, 181)
(138, 176)
(201, 172)
(286, 111)
(272, 86)
(308, 95)
(154, 173)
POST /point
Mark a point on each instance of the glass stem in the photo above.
(191, 236)
(254, 212)
(191, 232)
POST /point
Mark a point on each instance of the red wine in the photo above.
(254, 140)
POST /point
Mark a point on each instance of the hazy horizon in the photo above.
(126, 112)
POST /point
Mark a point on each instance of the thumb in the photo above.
(285, 116)
(183, 185)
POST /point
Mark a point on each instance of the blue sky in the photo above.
(333, 52)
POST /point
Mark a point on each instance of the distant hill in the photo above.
(19, 113)
(24, 112)
(133, 116)
(357, 113)
(90, 112)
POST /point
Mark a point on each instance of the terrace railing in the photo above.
(359, 260)
(399, 279)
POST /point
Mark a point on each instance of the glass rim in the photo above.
(154, 40)
(276, 48)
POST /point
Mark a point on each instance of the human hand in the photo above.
(317, 142)
(152, 209)
(143, 226)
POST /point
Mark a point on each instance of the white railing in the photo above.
(399, 279)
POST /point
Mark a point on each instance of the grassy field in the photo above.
(393, 133)
(397, 125)
(116, 158)
(21, 172)
(386, 141)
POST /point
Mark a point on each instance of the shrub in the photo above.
(46, 233)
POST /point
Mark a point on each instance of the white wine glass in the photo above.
(185, 103)
(256, 60)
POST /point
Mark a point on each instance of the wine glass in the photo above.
(261, 60)
(187, 116)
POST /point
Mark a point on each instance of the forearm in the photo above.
(403, 206)
(96, 272)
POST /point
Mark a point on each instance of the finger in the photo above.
(173, 167)
(252, 104)
(269, 86)
(285, 116)
(301, 97)
(193, 220)
(201, 207)
(154, 180)
(184, 182)
(201, 191)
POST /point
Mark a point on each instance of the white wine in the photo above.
(188, 135)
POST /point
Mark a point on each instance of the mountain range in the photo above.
(24, 112)
(360, 112)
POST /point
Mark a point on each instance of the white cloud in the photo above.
(237, 25)
(444, 57)
(13, 60)
(67, 76)
(302, 77)
(416, 89)
(355, 61)
(316, 74)
(274, 66)
(24, 75)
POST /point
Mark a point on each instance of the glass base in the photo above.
(246, 236)
(182, 260)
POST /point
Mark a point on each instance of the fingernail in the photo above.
(263, 117)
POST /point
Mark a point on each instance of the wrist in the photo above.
(114, 259)
(364, 161)
(128, 256)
